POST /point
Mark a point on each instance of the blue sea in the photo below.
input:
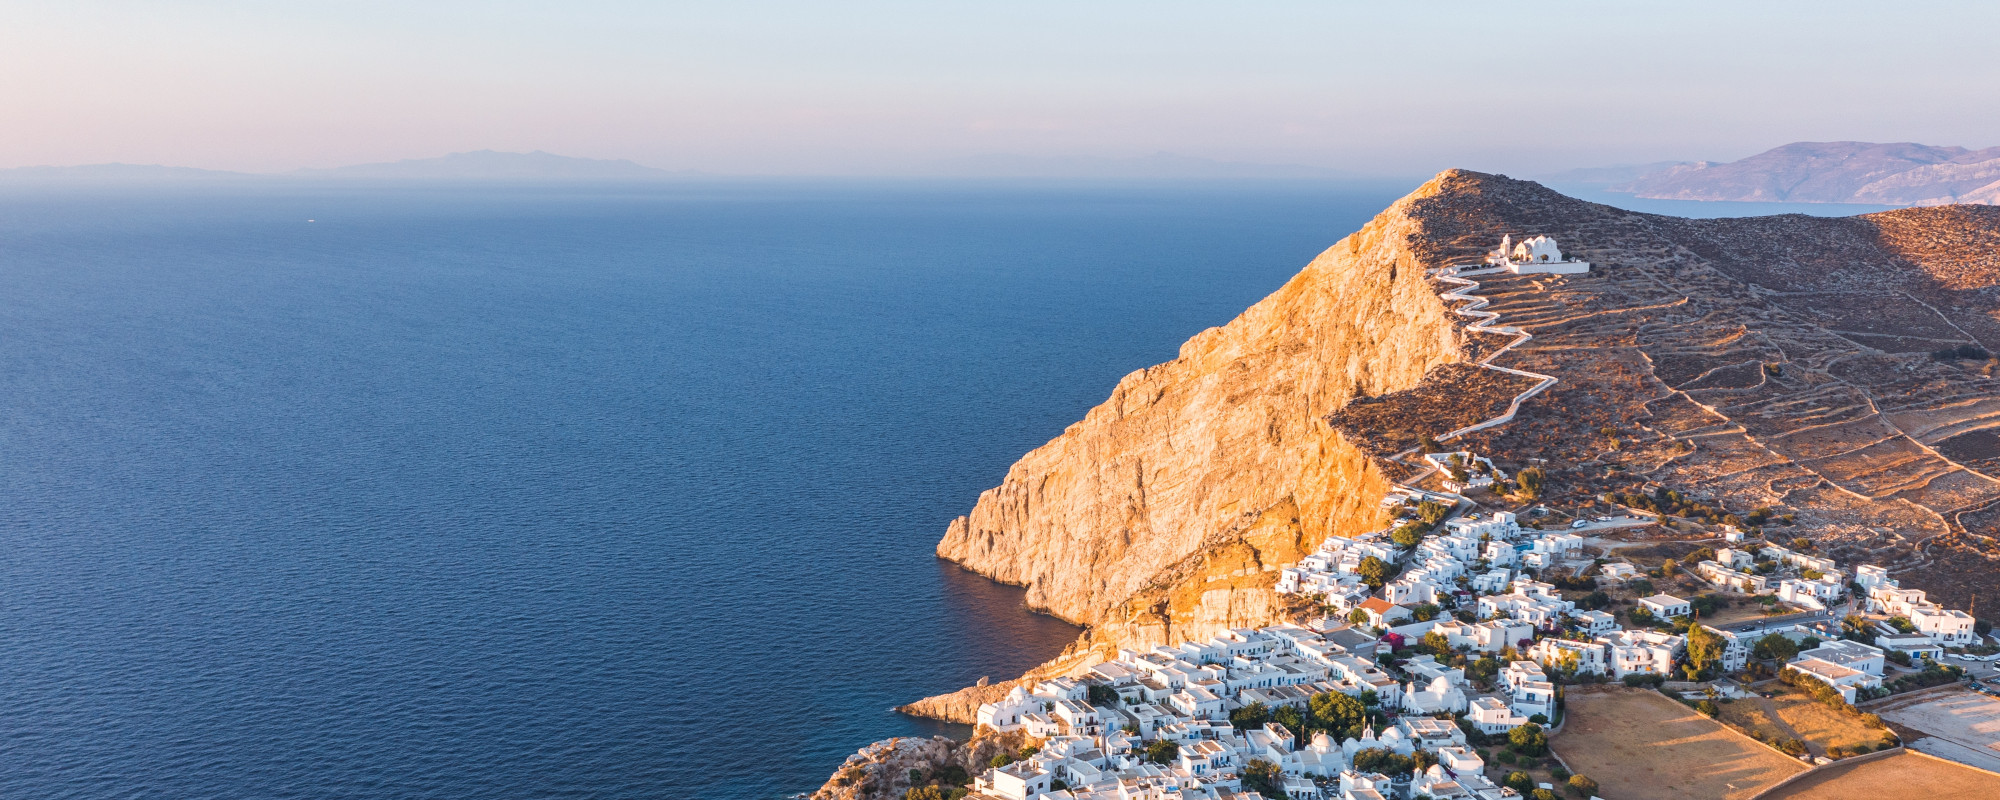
(535, 492)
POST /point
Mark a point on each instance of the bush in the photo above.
(1543, 794)
(1162, 751)
(924, 793)
(1708, 708)
(1505, 757)
(1518, 781)
(1557, 772)
(1790, 747)
(1636, 680)
(1582, 785)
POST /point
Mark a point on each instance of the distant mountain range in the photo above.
(1897, 174)
(1156, 166)
(495, 165)
(480, 165)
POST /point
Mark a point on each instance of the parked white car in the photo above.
(1579, 523)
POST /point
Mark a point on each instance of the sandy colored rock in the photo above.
(1165, 513)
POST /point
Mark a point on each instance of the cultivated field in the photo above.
(1956, 724)
(1793, 715)
(1641, 746)
(1900, 775)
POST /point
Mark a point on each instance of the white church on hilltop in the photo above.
(1534, 255)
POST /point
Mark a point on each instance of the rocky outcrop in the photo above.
(1165, 513)
(883, 770)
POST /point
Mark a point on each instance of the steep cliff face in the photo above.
(1166, 511)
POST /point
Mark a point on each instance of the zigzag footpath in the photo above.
(1484, 324)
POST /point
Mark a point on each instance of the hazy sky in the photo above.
(868, 87)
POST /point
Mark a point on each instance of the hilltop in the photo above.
(1827, 375)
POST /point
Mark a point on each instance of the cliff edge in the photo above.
(1164, 514)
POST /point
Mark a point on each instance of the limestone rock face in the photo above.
(881, 771)
(1165, 513)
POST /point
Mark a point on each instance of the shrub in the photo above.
(1505, 757)
(1582, 785)
(1543, 794)
(1518, 781)
(1708, 708)
(1162, 751)
(1557, 772)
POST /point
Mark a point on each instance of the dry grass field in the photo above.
(1639, 745)
(1900, 775)
(1793, 715)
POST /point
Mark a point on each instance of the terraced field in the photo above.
(1782, 362)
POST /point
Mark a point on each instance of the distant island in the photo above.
(1896, 174)
(478, 165)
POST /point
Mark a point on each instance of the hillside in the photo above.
(1778, 362)
(1902, 174)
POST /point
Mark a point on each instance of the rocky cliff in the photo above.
(1166, 511)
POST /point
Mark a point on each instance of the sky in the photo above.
(865, 88)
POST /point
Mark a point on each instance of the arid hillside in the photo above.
(1835, 370)
(1832, 371)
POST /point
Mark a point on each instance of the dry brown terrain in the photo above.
(1639, 745)
(1955, 723)
(1896, 776)
(1775, 362)
(1793, 715)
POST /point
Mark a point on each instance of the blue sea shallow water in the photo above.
(461, 492)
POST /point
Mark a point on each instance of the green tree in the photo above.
(1162, 751)
(1518, 781)
(925, 793)
(1000, 760)
(1261, 776)
(1708, 708)
(1704, 648)
(1374, 572)
(1775, 646)
(1543, 794)
(1336, 713)
(1357, 616)
(1582, 786)
(1435, 644)
(1250, 716)
(1101, 695)
(1408, 535)
(1432, 512)
(1532, 480)
(1528, 739)
(1291, 718)
(1858, 628)
(1425, 612)
(1387, 762)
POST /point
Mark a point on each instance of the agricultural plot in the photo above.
(1642, 746)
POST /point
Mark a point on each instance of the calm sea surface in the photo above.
(532, 493)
